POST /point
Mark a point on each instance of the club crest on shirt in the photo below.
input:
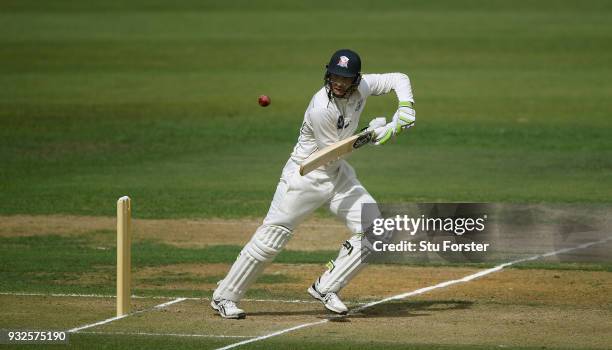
(343, 61)
(341, 125)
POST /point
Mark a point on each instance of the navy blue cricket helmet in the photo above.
(344, 63)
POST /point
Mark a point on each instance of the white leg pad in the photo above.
(346, 266)
(263, 247)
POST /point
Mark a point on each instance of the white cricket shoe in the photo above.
(331, 300)
(227, 309)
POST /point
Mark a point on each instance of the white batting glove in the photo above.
(382, 132)
(377, 123)
(404, 117)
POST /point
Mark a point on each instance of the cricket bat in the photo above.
(335, 151)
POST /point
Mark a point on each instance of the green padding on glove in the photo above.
(406, 120)
(406, 104)
(386, 138)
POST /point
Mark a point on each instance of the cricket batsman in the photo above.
(332, 115)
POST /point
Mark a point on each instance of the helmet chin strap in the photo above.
(349, 91)
(330, 93)
(344, 95)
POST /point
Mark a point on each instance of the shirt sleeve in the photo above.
(380, 84)
(323, 127)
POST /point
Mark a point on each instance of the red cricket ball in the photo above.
(263, 100)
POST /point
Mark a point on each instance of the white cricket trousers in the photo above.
(297, 196)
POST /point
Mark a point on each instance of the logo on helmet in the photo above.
(343, 61)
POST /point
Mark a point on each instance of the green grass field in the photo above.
(158, 100)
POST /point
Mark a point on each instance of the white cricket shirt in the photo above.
(326, 122)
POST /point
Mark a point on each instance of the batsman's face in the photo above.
(340, 85)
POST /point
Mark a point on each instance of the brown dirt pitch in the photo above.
(507, 309)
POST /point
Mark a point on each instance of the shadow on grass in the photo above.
(412, 308)
(386, 310)
(316, 311)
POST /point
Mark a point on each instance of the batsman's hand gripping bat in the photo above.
(335, 151)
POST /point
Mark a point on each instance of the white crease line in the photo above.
(150, 297)
(418, 291)
(175, 301)
(170, 334)
(109, 320)
(283, 331)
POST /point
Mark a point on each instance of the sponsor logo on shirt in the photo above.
(341, 125)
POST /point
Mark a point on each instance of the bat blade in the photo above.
(335, 151)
